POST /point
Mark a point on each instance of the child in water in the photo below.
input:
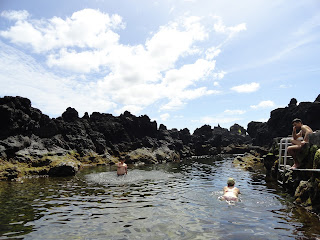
(122, 167)
(230, 192)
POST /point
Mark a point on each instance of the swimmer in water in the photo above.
(122, 167)
(230, 192)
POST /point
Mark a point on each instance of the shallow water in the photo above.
(167, 201)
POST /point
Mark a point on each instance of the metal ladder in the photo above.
(283, 157)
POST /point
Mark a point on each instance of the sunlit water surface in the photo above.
(167, 201)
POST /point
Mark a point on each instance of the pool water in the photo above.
(165, 201)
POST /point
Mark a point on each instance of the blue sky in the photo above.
(184, 63)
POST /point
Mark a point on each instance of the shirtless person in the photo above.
(230, 192)
(122, 167)
(303, 131)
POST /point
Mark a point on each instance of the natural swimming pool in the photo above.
(165, 201)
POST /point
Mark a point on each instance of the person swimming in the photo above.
(230, 192)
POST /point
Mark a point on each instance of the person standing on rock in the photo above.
(122, 167)
(300, 134)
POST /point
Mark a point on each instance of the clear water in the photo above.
(167, 201)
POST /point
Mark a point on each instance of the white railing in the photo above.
(283, 153)
(283, 156)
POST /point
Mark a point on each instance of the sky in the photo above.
(184, 63)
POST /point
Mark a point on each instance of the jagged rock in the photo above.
(302, 191)
(86, 116)
(3, 154)
(293, 102)
(202, 149)
(259, 132)
(164, 154)
(13, 144)
(9, 173)
(291, 180)
(280, 121)
(70, 115)
(18, 117)
(268, 161)
(205, 131)
(314, 138)
(101, 131)
(27, 135)
(162, 127)
(41, 162)
(63, 169)
(237, 129)
(142, 155)
(185, 136)
(236, 149)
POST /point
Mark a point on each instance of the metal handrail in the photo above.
(284, 143)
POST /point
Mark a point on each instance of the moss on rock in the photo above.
(247, 161)
(152, 155)
(316, 160)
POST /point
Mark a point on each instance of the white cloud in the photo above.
(133, 109)
(285, 86)
(234, 112)
(188, 74)
(212, 53)
(15, 15)
(264, 104)
(179, 101)
(130, 77)
(175, 40)
(174, 104)
(47, 91)
(84, 62)
(262, 120)
(214, 121)
(246, 88)
(238, 28)
(165, 116)
(219, 27)
(219, 75)
(86, 28)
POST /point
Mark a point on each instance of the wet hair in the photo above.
(296, 120)
(230, 182)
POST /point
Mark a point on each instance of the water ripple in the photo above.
(169, 201)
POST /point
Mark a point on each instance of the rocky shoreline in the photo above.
(33, 144)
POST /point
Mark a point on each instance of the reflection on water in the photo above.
(168, 201)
